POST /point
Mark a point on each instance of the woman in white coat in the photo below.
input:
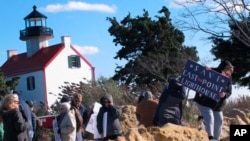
(66, 123)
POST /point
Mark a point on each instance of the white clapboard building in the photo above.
(43, 68)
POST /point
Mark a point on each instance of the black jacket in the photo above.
(15, 126)
(170, 104)
(208, 102)
(113, 114)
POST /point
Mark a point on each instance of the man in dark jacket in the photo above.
(77, 104)
(111, 127)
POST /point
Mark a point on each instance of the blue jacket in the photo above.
(27, 113)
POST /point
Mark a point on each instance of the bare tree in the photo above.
(218, 18)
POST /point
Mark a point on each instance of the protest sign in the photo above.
(105, 120)
(92, 123)
(206, 82)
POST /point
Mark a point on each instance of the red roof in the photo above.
(20, 64)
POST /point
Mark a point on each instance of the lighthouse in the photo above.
(36, 33)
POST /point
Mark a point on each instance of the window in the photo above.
(31, 83)
(74, 61)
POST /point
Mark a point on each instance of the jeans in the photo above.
(79, 136)
(213, 121)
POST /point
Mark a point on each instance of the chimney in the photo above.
(11, 53)
(66, 40)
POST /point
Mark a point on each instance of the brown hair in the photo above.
(77, 97)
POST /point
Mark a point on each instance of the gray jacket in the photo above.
(113, 114)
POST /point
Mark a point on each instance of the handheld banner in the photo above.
(206, 82)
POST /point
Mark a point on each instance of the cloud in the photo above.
(87, 50)
(79, 6)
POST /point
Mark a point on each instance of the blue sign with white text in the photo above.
(206, 82)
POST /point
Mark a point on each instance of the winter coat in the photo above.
(27, 114)
(170, 104)
(84, 113)
(113, 113)
(15, 126)
(67, 127)
(145, 111)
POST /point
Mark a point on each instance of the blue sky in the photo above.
(85, 22)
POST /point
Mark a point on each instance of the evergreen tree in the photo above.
(7, 85)
(236, 51)
(152, 47)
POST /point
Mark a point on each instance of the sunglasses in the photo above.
(107, 102)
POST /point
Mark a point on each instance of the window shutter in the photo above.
(70, 61)
(78, 61)
(30, 83)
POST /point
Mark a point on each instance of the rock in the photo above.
(170, 132)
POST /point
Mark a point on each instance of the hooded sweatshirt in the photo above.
(113, 114)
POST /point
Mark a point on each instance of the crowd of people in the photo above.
(18, 121)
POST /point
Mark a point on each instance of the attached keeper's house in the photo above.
(44, 68)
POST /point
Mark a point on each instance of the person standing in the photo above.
(66, 123)
(146, 108)
(108, 123)
(210, 109)
(36, 122)
(15, 126)
(26, 112)
(76, 104)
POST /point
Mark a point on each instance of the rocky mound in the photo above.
(170, 132)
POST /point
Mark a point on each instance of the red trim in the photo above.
(21, 64)
(93, 74)
(84, 59)
(45, 91)
(56, 54)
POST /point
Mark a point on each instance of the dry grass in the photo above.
(190, 114)
(242, 103)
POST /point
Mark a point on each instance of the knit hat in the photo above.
(19, 93)
(30, 103)
(108, 97)
(65, 98)
(148, 95)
